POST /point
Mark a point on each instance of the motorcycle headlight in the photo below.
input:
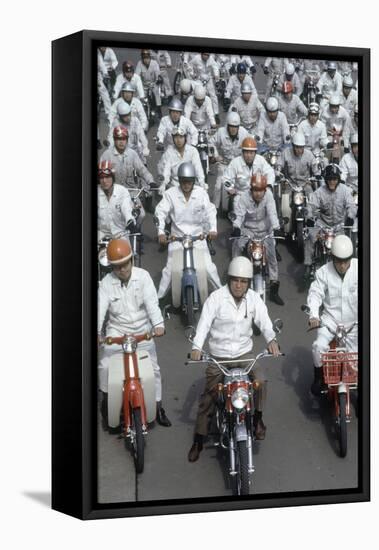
(273, 160)
(298, 198)
(187, 243)
(257, 254)
(240, 397)
(328, 243)
(356, 199)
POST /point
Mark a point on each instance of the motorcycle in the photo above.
(311, 93)
(149, 103)
(340, 375)
(335, 147)
(204, 150)
(222, 82)
(182, 71)
(274, 91)
(131, 393)
(235, 405)
(323, 245)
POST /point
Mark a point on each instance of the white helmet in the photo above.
(347, 82)
(240, 267)
(272, 104)
(342, 247)
(185, 86)
(335, 100)
(298, 139)
(246, 88)
(354, 139)
(199, 92)
(332, 66)
(233, 119)
(123, 108)
(290, 69)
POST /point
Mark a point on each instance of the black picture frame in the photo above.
(74, 290)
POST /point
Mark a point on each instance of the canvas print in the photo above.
(228, 250)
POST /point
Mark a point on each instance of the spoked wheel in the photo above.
(137, 441)
(190, 310)
(300, 239)
(177, 80)
(241, 479)
(342, 425)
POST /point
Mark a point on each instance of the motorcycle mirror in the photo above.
(190, 332)
(305, 308)
(277, 325)
(232, 216)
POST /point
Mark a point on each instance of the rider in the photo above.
(273, 129)
(292, 77)
(114, 206)
(335, 116)
(227, 146)
(163, 58)
(249, 107)
(191, 213)
(330, 81)
(335, 289)
(149, 71)
(227, 316)
(313, 129)
(233, 88)
(129, 297)
(291, 105)
(128, 75)
(332, 204)
(137, 138)
(349, 95)
(198, 108)
(349, 164)
(256, 216)
(297, 163)
(137, 110)
(273, 66)
(175, 119)
(174, 156)
(204, 65)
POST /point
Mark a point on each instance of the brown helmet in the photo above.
(105, 168)
(145, 53)
(120, 132)
(249, 144)
(258, 182)
(287, 87)
(119, 251)
(127, 66)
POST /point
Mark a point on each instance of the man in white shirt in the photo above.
(129, 297)
(191, 213)
(127, 96)
(175, 119)
(335, 288)
(313, 129)
(128, 75)
(227, 317)
(198, 109)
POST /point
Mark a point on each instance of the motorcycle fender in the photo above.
(177, 274)
(146, 373)
(342, 388)
(286, 211)
(240, 432)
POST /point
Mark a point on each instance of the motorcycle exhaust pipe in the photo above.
(232, 458)
(250, 463)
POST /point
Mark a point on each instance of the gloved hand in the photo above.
(160, 146)
(349, 222)
(310, 223)
(253, 70)
(236, 232)
(266, 70)
(329, 145)
(346, 149)
(277, 233)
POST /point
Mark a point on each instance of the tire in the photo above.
(138, 446)
(354, 240)
(190, 302)
(342, 425)
(258, 285)
(243, 472)
(177, 80)
(300, 239)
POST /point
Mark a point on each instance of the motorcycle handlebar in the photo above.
(119, 340)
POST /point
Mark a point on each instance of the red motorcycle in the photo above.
(131, 392)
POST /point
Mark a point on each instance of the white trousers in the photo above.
(324, 337)
(210, 267)
(108, 351)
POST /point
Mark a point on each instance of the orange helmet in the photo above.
(249, 144)
(287, 87)
(119, 251)
(258, 182)
(105, 168)
(120, 132)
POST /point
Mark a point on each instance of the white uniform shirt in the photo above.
(229, 326)
(202, 117)
(133, 308)
(249, 112)
(239, 173)
(135, 81)
(162, 57)
(113, 214)
(192, 217)
(315, 136)
(349, 169)
(233, 88)
(125, 165)
(137, 139)
(148, 74)
(110, 59)
(293, 109)
(225, 146)
(136, 108)
(330, 86)
(172, 159)
(350, 101)
(198, 67)
(164, 133)
(338, 296)
(272, 133)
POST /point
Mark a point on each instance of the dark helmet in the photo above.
(332, 171)
(241, 68)
(127, 66)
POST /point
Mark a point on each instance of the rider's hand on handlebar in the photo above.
(310, 223)
(212, 235)
(273, 347)
(314, 322)
(236, 232)
(349, 222)
(162, 239)
(159, 331)
(195, 355)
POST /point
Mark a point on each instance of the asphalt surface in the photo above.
(300, 452)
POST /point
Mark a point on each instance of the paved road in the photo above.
(300, 450)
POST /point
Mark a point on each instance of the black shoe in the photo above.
(196, 448)
(259, 427)
(162, 418)
(274, 293)
(318, 386)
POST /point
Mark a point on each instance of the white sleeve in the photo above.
(102, 305)
(151, 302)
(114, 60)
(205, 322)
(162, 211)
(262, 320)
(316, 294)
(198, 167)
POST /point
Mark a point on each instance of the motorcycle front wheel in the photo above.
(189, 303)
(300, 239)
(138, 444)
(177, 80)
(259, 285)
(342, 425)
(241, 484)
